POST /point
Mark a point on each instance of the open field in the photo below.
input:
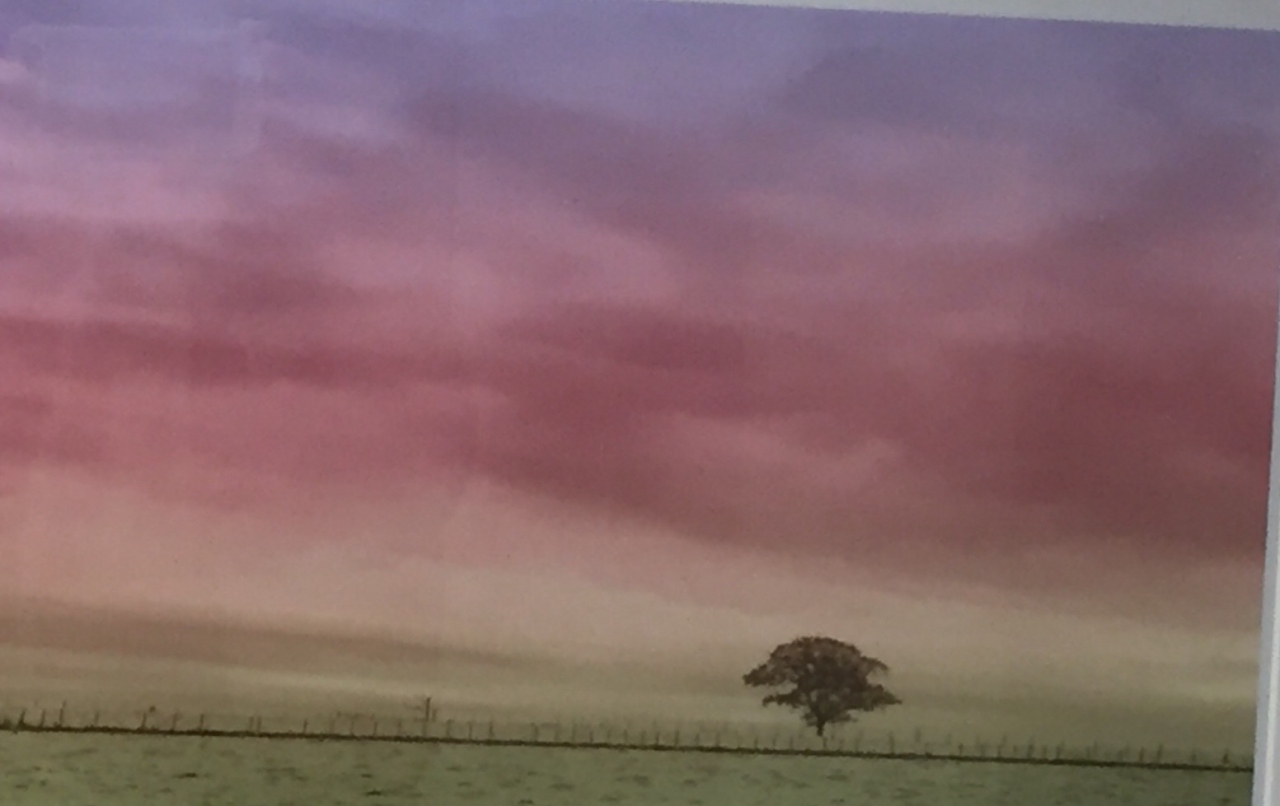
(102, 769)
(848, 741)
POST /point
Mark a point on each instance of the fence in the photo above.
(628, 735)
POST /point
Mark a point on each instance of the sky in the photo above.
(651, 334)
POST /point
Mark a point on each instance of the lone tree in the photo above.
(828, 680)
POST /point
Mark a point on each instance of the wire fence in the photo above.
(428, 726)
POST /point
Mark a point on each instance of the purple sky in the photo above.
(639, 327)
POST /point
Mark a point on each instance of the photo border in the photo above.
(1247, 14)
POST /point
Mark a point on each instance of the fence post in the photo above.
(304, 726)
(426, 716)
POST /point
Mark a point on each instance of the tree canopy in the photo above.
(825, 679)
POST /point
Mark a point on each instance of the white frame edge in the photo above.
(1248, 14)
(1266, 785)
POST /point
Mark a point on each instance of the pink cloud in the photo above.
(622, 319)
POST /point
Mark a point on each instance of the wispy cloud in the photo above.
(886, 289)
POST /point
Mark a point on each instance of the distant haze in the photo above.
(571, 355)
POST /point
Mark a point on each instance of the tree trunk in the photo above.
(820, 727)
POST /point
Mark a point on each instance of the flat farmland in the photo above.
(70, 769)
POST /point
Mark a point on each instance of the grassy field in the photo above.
(88, 769)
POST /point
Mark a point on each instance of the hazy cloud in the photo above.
(917, 287)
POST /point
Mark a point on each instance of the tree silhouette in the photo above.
(828, 680)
